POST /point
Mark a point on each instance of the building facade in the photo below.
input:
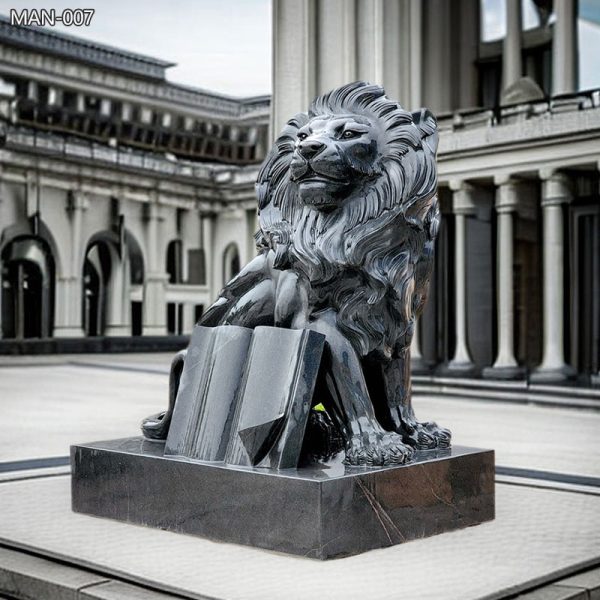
(516, 289)
(126, 201)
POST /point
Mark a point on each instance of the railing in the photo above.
(490, 117)
(16, 136)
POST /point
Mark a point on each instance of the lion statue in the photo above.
(348, 217)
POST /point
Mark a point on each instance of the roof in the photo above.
(87, 51)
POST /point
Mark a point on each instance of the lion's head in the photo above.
(355, 146)
(351, 186)
(335, 155)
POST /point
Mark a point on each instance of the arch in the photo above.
(111, 263)
(28, 286)
(97, 267)
(35, 227)
(136, 259)
(231, 262)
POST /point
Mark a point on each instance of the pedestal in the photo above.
(321, 511)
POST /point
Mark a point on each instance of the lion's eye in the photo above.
(348, 134)
(302, 136)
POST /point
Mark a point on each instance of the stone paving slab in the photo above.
(116, 590)
(31, 577)
(26, 576)
(538, 535)
(45, 409)
(589, 581)
(555, 592)
(158, 360)
(549, 439)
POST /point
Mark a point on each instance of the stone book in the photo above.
(207, 395)
(245, 395)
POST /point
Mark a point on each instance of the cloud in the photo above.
(223, 46)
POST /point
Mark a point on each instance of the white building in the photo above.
(517, 284)
(126, 201)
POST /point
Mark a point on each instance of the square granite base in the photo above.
(319, 512)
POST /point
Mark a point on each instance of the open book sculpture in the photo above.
(303, 362)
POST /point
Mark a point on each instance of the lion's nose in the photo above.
(310, 148)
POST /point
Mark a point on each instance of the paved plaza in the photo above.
(546, 534)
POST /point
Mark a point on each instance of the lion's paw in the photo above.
(377, 449)
(429, 435)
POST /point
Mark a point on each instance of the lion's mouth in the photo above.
(311, 176)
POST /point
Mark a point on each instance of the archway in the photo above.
(112, 265)
(96, 277)
(231, 262)
(28, 270)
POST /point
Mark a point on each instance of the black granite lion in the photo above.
(348, 217)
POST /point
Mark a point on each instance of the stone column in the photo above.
(32, 193)
(369, 35)
(294, 69)
(438, 75)
(155, 308)
(336, 60)
(118, 310)
(212, 268)
(395, 51)
(512, 69)
(2, 220)
(463, 204)
(505, 365)
(416, 53)
(564, 48)
(189, 321)
(188, 235)
(556, 192)
(69, 289)
(595, 378)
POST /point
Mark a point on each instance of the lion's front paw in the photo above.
(429, 435)
(377, 449)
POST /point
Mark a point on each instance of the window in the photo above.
(174, 262)
(588, 31)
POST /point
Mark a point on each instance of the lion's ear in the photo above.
(427, 125)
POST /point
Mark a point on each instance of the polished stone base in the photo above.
(459, 370)
(419, 366)
(315, 512)
(505, 373)
(562, 375)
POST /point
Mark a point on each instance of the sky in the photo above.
(225, 45)
(219, 45)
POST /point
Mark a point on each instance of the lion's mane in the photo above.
(370, 259)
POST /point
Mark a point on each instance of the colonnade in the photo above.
(556, 192)
(130, 275)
